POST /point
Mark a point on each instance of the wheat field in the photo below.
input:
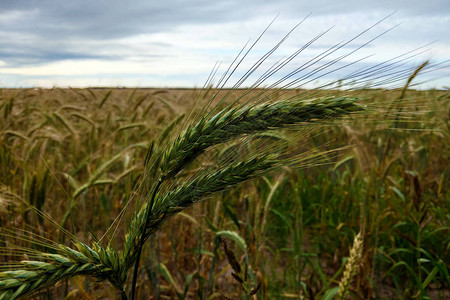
(98, 188)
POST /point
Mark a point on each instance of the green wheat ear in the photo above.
(47, 269)
(232, 123)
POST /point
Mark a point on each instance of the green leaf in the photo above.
(210, 225)
(283, 217)
(165, 272)
(430, 277)
(398, 192)
(331, 293)
(187, 283)
(104, 202)
(343, 161)
(232, 215)
(203, 251)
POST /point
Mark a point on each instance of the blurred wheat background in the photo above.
(77, 156)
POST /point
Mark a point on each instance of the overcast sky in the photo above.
(171, 43)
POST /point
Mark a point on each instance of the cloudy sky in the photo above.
(173, 43)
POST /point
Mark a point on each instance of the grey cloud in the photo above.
(38, 32)
(115, 19)
(16, 59)
(63, 23)
(109, 19)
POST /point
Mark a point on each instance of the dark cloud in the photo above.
(17, 59)
(108, 19)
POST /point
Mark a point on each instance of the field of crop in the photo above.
(370, 220)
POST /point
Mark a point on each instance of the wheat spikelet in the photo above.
(352, 266)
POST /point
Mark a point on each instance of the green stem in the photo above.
(142, 240)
